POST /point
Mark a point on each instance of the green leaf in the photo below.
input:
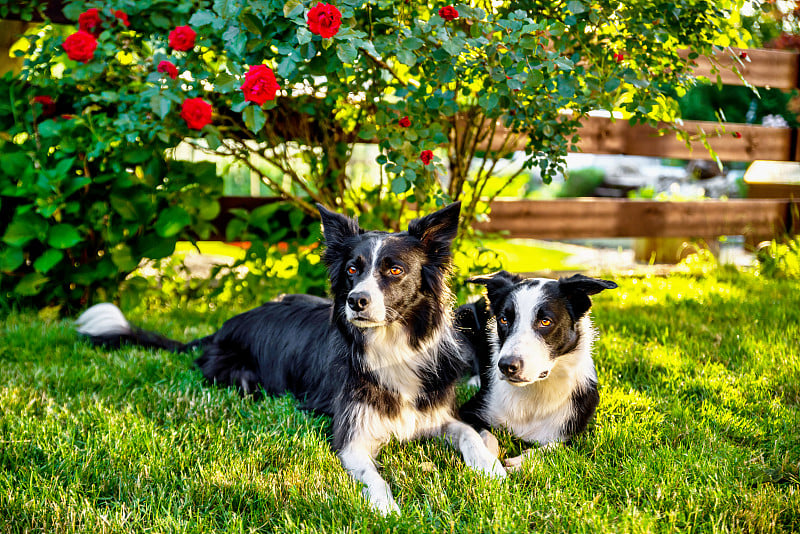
(159, 21)
(367, 131)
(31, 285)
(15, 163)
(406, 57)
(252, 23)
(160, 105)
(63, 236)
(209, 209)
(254, 118)
(171, 221)
(535, 78)
(412, 43)
(228, 9)
(346, 52)
(292, 8)
(400, 185)
(453, 46)
(123, 258)
(137, 155)
(235, 229)
(155, 247)
(611, 85)
(202, 18)
(48, 260)
(24, 228)
(286, 67)
(303, 35)
(564, 63)
(124, 207)
(49, 128)
(11, 258)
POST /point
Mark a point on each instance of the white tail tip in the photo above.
(102, 320)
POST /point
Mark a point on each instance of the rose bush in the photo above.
(85, 198)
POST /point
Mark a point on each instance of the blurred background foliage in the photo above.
(110, 176)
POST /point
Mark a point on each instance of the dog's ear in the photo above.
(438, 229)
(337, 227)
(436, 232)
(498, 286)
(338, 230)
(577, 289)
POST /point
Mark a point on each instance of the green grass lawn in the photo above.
(697, 430)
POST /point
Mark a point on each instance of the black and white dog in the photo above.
(537, 374)
(382, 358)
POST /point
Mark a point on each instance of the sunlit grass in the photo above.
(697, 430)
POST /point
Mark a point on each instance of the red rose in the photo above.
(737, 135)
(80, 46)
(405, 122)
(448, 13)
(123, 17)
(426, 156)
(324, 20)
(618, 57)
(196, 112)
(168, 68)
(89, 21)
(182, 38)
(260, 84)
(48, 106)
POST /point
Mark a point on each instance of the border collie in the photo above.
(537, 374)
(382, 358)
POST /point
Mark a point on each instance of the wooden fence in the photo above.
(755, 218)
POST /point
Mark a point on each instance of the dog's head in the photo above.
(378, 278)
(537, 320)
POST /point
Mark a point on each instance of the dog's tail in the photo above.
(104, 324)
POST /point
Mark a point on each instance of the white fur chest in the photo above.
(410, 423)
(395, 363)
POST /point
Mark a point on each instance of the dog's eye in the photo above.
(396, 270)
(545, 323)
(503, 320)
(352, 270)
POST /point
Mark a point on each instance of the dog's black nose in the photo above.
(510, 365)
(358, 301)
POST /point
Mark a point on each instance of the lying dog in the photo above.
(381, 359)
(538, 378)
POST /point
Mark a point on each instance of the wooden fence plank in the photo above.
(602, 217)
(760, 67)
(731, 141)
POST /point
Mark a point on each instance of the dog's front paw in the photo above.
(497, 470)
(492, 468)
(384, 505)
(515, 463)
